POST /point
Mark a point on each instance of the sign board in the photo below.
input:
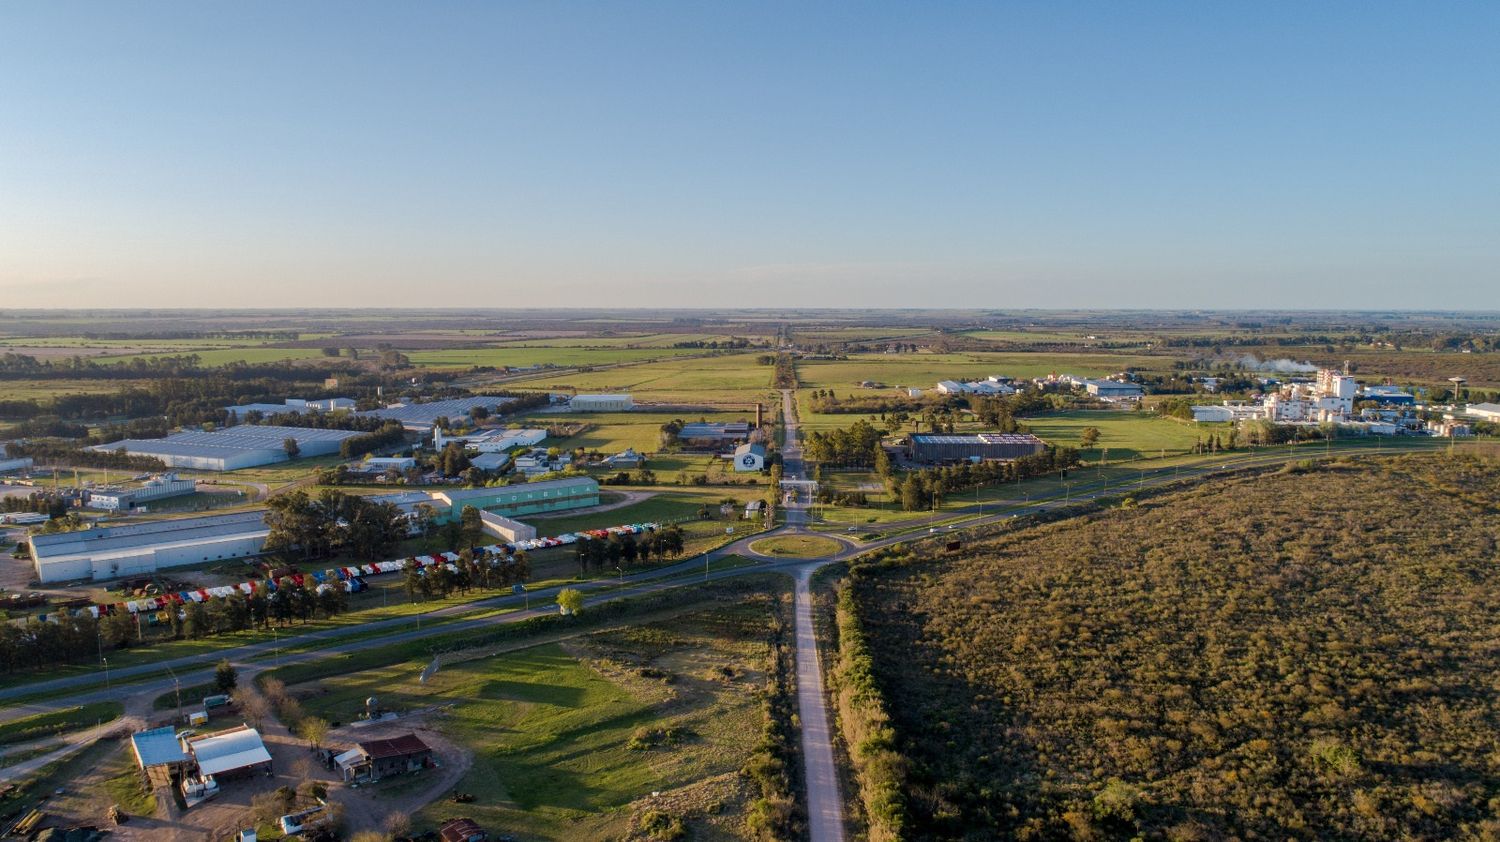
(953, 546)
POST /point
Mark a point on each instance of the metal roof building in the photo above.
(139, 548)
(601, 403)
(973, 447)
(522, 499)
(158, 753)
(245, 446)
(419, 417)
(227, 752)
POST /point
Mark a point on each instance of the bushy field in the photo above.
(1306, 655)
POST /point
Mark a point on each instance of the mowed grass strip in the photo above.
(40, 725)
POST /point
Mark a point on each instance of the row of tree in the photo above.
(928, 487)
(626, 550)
(311, 527)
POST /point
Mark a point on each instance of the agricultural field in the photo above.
(715, 380)
(596, 735)
(520, 356)
(214, 357)
(1306, 654)
(1125, 434)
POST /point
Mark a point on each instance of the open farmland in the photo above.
(1125, 434)
(569, 739)
(716, 380)
(1309, 654)
(520, 356)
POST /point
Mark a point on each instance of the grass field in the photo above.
(569, 739)
(40, 725)
(1125, 434)
(524, 355)
(614, 431)
(797, 546)
(224, 356)
(725, 379)
(643, 340)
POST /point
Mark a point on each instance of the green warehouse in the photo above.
(524, 499)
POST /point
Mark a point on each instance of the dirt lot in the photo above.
(367, 807)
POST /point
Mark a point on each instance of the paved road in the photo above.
(825, 800)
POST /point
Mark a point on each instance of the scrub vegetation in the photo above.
(1309, 654)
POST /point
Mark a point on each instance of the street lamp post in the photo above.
(106, 671)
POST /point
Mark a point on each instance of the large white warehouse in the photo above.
(601, 403)
(245, 446)
(142, 548)
(419, 417)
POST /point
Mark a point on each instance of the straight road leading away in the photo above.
(825, 799)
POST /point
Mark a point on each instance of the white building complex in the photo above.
(143, 548)
(419, 417)
(245, 446)
(1329, 399)
(1484, 411)
(601, 403)
(291, 405)
(489, 440)
(128, 499)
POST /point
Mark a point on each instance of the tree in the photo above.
(570, 600)
(293, 450)
(472, 525)
(1089, 437)
(226, 677)
(313, 729)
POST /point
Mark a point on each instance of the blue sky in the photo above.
(1340, 155)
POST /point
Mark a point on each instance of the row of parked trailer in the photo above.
(352, 577)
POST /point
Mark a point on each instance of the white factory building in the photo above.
(290, 405)
(143, 548)
(1329, 399)
(489, 440)
(601, 403)
(1484, 411)
(420, 417)
(19, 464)
(128, 499)
(244, 446)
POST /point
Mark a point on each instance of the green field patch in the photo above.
(53, 723)
(797, 546)
(714, 380)
(1126, 435)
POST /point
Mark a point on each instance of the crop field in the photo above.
(570, 739)
(1080, 338)
(527, 355)
(224, 356)
(645, 340)
(725, 379)
(1308, 654)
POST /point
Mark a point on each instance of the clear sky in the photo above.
(987, 154)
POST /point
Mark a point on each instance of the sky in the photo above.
(1341, 155)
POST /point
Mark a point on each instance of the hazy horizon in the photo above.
(529, 155)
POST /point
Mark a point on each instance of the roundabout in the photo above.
(796, 545)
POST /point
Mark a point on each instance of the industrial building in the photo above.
(159, 755)
(381, 464)
(524, 499)
(245, 446)
(1484, 411)
(420, 417)
(714, 433)
(11, 465)
(143, 548)
(492, 440)
(937, 448)
(129, 499)
(750, 457)
(491, 462)
(1388, 395)
(1114, 390)
(235, 752)
(298, 405)
(601, 403)
(990, 386)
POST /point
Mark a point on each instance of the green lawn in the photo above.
(41, 725)
(562, 732)
(1125, 434)
(797, 546)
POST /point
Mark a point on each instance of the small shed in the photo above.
(462, 830)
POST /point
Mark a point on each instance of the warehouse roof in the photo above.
(393, 747)
(459, 495)
(976, 438)
(116, 538)
(228, 750)
(423, 414)
(757, 449)
(157, 747)
(228, 442)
